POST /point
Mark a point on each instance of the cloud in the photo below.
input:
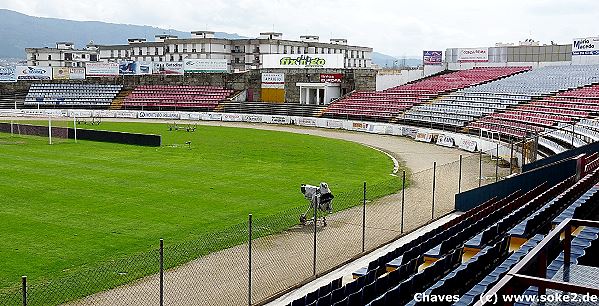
(392, 27)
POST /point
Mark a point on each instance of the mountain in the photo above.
(20, 31)
(388, 61)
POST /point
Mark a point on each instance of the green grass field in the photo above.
(71, 206)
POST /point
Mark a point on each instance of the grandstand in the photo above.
(467, 256)
(176, 97)
(485, 100)
(387, 104)
(72, 95)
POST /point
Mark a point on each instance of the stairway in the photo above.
(117, 103)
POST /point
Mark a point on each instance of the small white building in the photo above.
(64, 55)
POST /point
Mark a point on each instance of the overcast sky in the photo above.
(400, 28)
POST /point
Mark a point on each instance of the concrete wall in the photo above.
(360, 79)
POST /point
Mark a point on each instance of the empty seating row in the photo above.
(526, 88)
(497, 128)
(457, 282)
(551, 145)
(565, 137)
(418, 92)
(541, 217)
(165, 96)
(72, 94)
(474, 293)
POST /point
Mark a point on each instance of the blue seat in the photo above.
(355, 299)
(341, 303)
(311, 297)
(299, 302)
(324, 300)
(324, 290)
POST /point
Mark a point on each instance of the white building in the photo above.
(64, 55)
(242, 54)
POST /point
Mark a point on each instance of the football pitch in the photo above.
(69, 206)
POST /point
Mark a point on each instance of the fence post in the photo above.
(536, 147)
(364, 219)
(434, 181)
(161, 271)
(250, 259)
(572, 135)
(511, 156)
(480, 166)
(460, 176)
(523, 154)
(314, 254)
(24, 289)
(497, 163)
(403, 195)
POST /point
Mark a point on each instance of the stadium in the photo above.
(293, 172)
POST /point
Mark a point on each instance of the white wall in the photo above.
(388, 80)
(585, 59)
(464, 66)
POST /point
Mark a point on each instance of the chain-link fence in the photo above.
(253, 261)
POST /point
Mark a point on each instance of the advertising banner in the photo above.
(334, 124)
(303, 61)
(473, 55)
(232, 117)
(168, 68)
(424, 137)
(273, 80)
(409, 131)
(205, 65)
(331, 77)
(195, 116)
(143, 68)
(252, 118)
(468, 145)
(7, 74)
(77, 73)
(135, 68)
(359, 126)
(211, 116)
(306, 121)
(127, 67)
(280, 119)
(432, 57)
(378, 128)
(61, 73)
(446, 141)
(101, 69)
(157, 115)
(33, 73)
(104, 114)
(585, 46)
(125, 114)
